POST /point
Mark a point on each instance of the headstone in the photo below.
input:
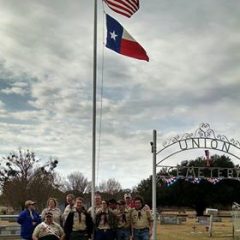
(170, 220)
(203, 220)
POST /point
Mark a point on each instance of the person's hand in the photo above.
(146, 207)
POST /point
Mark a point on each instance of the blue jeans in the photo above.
(79, 235)
(141, 234)
(104, 234)
(123, 234)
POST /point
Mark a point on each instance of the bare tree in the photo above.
(76, 182)
(110, 186)
(21, 175)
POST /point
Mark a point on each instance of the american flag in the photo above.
(124, 7)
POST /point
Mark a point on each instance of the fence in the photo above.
(9, 228)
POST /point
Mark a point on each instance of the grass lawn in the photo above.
(191, 230)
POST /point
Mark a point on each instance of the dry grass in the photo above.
(191, 230)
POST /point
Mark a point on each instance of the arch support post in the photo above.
(154, 184)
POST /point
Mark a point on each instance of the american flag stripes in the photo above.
(123, 7)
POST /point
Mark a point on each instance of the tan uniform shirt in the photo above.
(141, 218)
(43, 229)
(103, 224)
(124, 218)
(79, 222)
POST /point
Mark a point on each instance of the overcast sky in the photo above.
(46, 50)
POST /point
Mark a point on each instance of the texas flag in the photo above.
(120, 41)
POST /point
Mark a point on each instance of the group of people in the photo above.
(112, 220)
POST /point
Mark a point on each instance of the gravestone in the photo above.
(170, 220)
(203, 220)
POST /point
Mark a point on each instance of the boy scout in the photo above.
(142, 221)
(124, 221)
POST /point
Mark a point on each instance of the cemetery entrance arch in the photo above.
(202, 138)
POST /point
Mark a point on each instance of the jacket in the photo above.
(26, 222)
(69, 224)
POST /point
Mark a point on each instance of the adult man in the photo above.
(98, 203)
(79, 224)
(142, 220)
(128, 200)
(48, 230)
(28, 219)
(70, 200)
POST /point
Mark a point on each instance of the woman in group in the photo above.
(79, 224)
(52, 207)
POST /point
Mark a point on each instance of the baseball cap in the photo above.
(29, 202)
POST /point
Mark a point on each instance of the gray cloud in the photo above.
(46, 81)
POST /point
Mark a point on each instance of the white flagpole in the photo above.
(94, 111)
(154, 185)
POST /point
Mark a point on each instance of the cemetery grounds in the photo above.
(193, 229)
(189, 229)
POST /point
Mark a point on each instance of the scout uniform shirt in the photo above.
(141, 218)
(79, 221)
(124, 218)
(43, 229)
(103, 223)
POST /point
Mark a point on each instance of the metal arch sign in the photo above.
(189, 172)
(203, 138)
